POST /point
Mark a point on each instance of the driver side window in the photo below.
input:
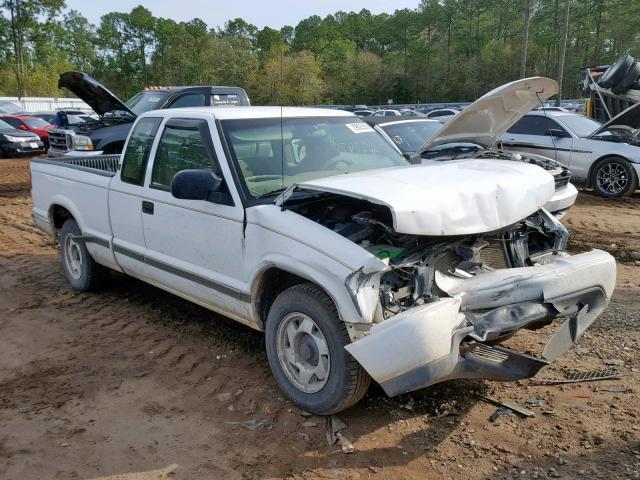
(534, 125)
(181, 147)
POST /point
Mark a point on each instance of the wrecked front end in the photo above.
(441, 305)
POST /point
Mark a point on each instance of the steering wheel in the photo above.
(331, 165)
(263, 178)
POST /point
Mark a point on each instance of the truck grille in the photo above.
(59, 140)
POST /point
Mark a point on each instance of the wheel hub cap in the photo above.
(73, 257)
(612, 178)
(303, 352)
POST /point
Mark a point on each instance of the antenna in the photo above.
(553, 141)
(281, 121)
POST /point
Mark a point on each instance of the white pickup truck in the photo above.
(307, 224)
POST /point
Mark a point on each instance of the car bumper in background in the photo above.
(20, 148)
(446, 339)
(562, 200)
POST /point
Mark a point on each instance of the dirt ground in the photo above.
(132, 383)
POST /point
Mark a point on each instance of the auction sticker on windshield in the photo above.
(359, 127)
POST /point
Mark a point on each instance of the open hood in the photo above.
(488, 118)
(459, 197)
(628, 118)
(96, 95)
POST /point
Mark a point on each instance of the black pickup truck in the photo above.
(108, 133)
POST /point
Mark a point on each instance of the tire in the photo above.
(82, 272)
(616, 72)
(613, 177)
(345, 381)
(629, 79)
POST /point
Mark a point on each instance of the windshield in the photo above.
(5, 126)
(273, 154)
(147, 100)
(410, 136)
(581, 126)
(36, 122)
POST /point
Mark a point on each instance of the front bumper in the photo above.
(21, 148)
(636, 167)
(562, 200)
(446, 339)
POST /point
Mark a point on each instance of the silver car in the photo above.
(605, 157)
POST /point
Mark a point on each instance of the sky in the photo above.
(272, 13)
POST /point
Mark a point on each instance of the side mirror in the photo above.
(195, 184)
(555, 132)
(22, 127)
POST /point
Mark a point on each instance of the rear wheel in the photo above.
(305, 342)
(614, 177)
(82, 272)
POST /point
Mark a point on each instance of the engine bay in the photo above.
(413, 260)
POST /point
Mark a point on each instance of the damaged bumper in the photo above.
(445, 339)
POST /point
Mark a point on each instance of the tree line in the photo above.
(443, 50)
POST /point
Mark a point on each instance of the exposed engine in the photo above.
(414, 260)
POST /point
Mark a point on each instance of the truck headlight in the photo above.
(12, 139)
(82, 142)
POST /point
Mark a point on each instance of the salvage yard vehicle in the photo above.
(474, 132)
(603, 157)
(107, 135)
(29, 123)
(307, 224)
(14, 142)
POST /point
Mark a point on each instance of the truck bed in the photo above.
(100, 164)
(79, 186)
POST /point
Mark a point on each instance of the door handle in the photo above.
(147, 207)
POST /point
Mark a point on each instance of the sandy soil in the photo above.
(131, 383)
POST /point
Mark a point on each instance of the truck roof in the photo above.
(240, 112)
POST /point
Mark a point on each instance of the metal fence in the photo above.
(36, 104)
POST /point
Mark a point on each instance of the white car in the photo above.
(442, 114)
(307, 224)
(604, 157)
(387, 113)
(474, 132)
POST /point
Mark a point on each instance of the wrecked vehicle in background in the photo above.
(307, 224)
(108, 133)
(477, 130)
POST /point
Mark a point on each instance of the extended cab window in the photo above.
(134, 164)
(184, 145)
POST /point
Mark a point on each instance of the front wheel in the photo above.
(614, 177)
(305, 342)
(81, 270)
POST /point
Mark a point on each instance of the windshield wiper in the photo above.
(272, 192)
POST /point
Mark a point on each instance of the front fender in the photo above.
(291, 242)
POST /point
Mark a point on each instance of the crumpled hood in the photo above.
(488, 118)
(96, 95)
(459, 197)
(628, 118)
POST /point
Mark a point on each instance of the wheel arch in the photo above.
(59, 212)
(271, 282)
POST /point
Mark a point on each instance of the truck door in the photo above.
(194, 247)
(126, 201)
(539, 135)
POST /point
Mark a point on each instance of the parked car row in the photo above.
(38, 125)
